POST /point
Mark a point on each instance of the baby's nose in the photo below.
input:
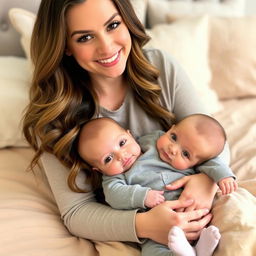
(121, 155)
(173, 149)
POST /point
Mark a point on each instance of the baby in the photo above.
(132, 179)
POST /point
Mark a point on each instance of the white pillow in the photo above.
(140, 9)
(158, 10)
(23, 21)
(187, 41)
(14, 87)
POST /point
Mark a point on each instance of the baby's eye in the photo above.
(173, 136)
(84, 38)
(113, 25)
(108, 159)
(122, 143)
(185, 154)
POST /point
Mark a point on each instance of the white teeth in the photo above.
(109, 60)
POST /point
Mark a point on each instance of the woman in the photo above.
(89, 62)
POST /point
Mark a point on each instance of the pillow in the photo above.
(238, 233)
(14, 87)
(140, 9)
(187, 41)
(159, 9)
(232, 55)
(23, 21)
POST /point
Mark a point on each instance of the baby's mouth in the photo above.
(128, 162)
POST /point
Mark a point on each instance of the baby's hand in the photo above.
(228, 185)
(153, 198)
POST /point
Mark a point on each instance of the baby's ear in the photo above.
(96, 169)
(128, 131)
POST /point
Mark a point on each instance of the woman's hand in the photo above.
(198, 187)
(156, 223)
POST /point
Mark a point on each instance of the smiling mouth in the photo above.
(110, 60)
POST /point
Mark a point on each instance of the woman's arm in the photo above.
(82, 215)
(86, 218)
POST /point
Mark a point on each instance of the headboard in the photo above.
(9, 38)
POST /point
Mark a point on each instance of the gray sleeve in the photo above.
(82, 215)
(216, 169)
(178, 93)
(120, 195)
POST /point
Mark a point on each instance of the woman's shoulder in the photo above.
(159, 57)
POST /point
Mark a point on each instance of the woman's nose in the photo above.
(104, 45)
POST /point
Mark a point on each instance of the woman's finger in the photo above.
(197, 225)
(178, 183)
(176, 204)
(180, 209)
(196, 215)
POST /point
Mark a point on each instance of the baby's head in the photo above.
(107, 147)
(191, 141)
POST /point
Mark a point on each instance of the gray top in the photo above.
(82, 215)
(128, 190)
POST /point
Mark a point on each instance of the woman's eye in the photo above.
(113, 25)
(173, 136)
(185, 154)
(84, 38)
(108, 159)
(122, 142)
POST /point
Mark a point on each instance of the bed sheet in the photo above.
(31, 224)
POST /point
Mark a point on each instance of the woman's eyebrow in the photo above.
(111, 18)
(80, 32)
(89, 31)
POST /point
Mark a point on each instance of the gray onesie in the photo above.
(128, 190)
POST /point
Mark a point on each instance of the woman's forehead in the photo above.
(89, 13)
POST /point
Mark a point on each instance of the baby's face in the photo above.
(113, 151)
(182, 147)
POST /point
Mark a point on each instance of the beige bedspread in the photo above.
(31, 225)
(239, 120)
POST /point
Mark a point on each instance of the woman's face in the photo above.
(98, 38)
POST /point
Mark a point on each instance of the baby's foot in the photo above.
(178, 243)
(208, 241)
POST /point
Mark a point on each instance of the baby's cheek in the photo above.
(136, 150)
(180, 164)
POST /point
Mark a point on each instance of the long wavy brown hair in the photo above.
(61, 99)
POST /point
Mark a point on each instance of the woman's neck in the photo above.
(111, 92)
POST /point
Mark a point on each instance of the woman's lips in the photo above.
(110, 61)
